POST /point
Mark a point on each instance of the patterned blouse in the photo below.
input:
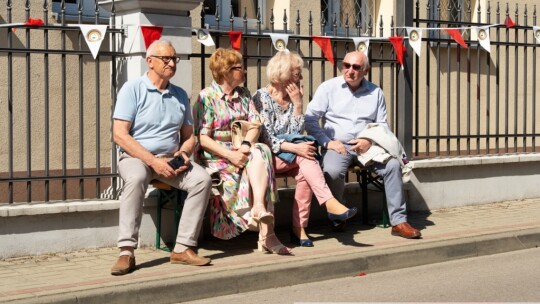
(276, 120)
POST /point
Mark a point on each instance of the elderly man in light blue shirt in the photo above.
(153, 124)
(346, 104)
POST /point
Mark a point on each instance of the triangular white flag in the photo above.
(361, 44)
(415, 39)
(536, 33)
(482, 34)
(94, 35)
(279, 41)
(203, 36)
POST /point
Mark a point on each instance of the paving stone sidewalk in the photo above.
(84, 277)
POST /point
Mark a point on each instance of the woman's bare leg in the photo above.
(258, 180)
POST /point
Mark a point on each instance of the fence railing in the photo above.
(469, 101)
(56, 103)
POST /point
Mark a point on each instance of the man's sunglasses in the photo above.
(355, 67)
(167, 59)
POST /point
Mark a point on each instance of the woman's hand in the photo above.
(306, 150)
(296, 94)
(244, 149)
(238, 159)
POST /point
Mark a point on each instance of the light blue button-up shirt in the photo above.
(344, 113)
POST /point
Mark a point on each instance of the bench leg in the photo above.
(363, 185)
(158, 218)
(364, 179)
(385, 219)
(385, 223)
(164, 197)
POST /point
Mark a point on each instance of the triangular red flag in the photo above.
(31, 22)
(326, 47)
(34, 22)
(151, 34)
(236, 39)
(456, 34)
(509, 22)
(397, 42)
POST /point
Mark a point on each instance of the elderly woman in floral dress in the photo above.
(280, 104)
(248, 192)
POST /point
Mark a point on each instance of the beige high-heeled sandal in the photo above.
(259, 215)
(277, 249)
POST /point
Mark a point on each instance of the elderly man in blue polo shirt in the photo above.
(347, 104)
(152, 125)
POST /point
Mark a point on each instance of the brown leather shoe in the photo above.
(189, 257)
(405, 230)
(124, 265)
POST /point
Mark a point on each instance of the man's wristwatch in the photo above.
(247, 143)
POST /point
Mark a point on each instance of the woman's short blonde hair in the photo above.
(221, 62)
(280, 67)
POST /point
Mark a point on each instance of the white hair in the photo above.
(160, 42)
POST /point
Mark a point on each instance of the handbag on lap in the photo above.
(239, 129)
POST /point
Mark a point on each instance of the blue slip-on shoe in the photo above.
(338, 218)
(302, 243)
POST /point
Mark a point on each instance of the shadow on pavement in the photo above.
(154, 263)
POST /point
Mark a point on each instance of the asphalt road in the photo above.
(507, 277)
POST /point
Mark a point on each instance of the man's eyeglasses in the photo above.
(237, 68)
(167, 59)
(355, 67)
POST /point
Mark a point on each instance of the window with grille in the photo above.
(72, 11)
(355, 13)
(451, 10)
(452, 13)
(239, 8)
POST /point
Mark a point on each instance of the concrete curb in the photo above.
(226, 282)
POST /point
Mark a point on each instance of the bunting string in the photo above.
(94, 35)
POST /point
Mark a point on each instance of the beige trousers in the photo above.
(137, 175)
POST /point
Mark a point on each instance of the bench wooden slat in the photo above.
(161, 185)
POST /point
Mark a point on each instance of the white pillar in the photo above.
(172, 15)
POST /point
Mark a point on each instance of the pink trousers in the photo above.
(309, 180)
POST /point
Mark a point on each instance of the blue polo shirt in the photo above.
(156, 117)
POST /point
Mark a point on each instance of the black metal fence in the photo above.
(57, 101)
(465, 101)
(469, 101)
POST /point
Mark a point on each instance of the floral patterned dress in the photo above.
(213, 116)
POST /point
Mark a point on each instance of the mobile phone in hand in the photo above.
(176, 162)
